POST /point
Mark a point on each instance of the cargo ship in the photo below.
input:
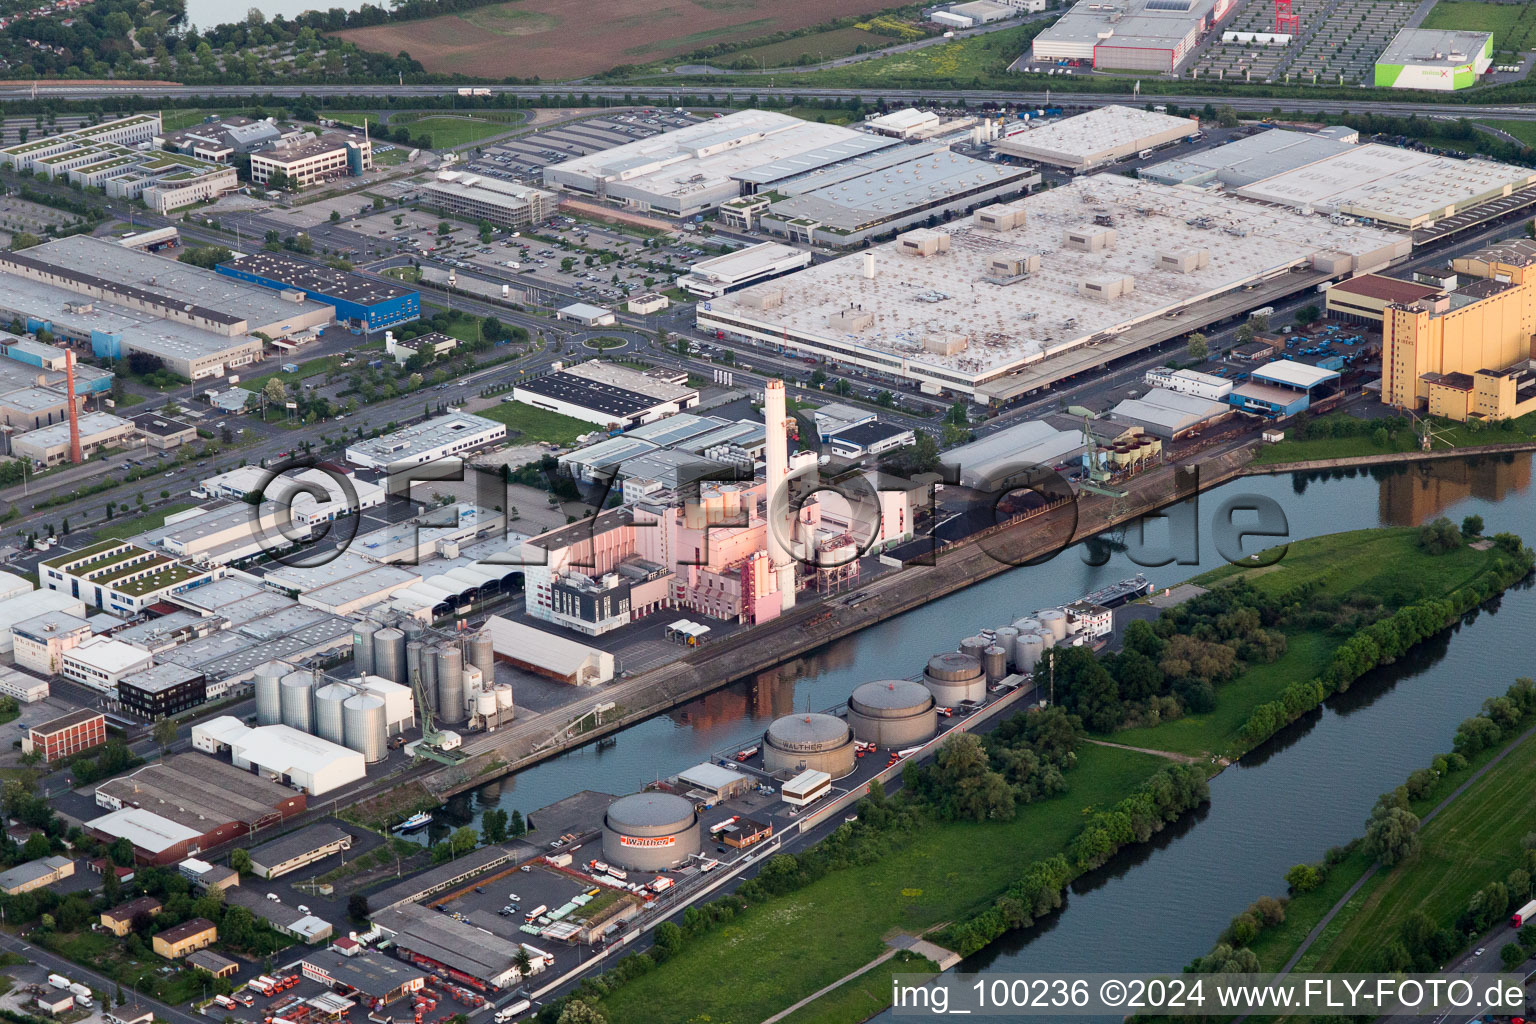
(1117, 594)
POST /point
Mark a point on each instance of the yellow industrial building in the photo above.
(1466, 353)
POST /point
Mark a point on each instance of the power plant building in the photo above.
(816, 741)
(1031, 292)
(650, 831)
(895, 713)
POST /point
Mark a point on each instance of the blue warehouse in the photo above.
(1284, 388)
(362, 304)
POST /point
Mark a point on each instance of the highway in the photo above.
(723, 92)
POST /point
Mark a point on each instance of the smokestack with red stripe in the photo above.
(74, 413)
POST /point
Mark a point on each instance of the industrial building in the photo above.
(720, 274)
(283, 917)
(297, 849)
(894, 713)
(606, 394)
(694, 169)
(1171, 415)
(39, 642)
(35, 874)
(188, 803)
(120, 576)
(712, 783)
(987, 463)
(310, 496)
(1246, 160)
(1130, 35)
(1190, 382)
(873, 195)
(1364, 299)
(67, 735)
(312, 160)
(1283, 388)
(162, 433)
(441, 437)
(218, 138)
(1099, 137)
(869, 439)
(376, 979)
(109, 156)
(51, 445)
(546, 654)
(101, 663)
(475, 197)
(817, 741)
(1442, 60)
(430, 345)
(650, 831)
(28, 605)
(425, 939)
(298, 759)
(903, 124)
(363, 305)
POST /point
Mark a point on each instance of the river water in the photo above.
(1309, 788)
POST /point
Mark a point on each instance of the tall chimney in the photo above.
(780, 523)
(74, 413)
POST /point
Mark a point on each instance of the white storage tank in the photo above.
(269, 701)
(328, 717)
(1027, 651)
(503, 697)
(389, 653)
(362, 646)
(1055, 620)
(296, 692)
(953, 677)
(363, 726)
(485, 703)
(650, 831)
(1008, 639)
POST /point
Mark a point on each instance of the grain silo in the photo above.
(428, 673)
(415, 650)
(363, 726)
(450, 684)
(895, 713)
(269, 702)
(296, 693)
(797, 742)
(1055, 620)
(362, 646)
(953, 677)
(328, 719)
(479, 652)
(650, 831)
(389, 653)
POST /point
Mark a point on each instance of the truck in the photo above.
(536, 911)
(1525, 914)
(58, 981)
(661, 883)
(1262, 311)
(80, 991)
(511, 1010)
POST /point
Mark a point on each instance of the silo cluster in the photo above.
(457, 674)
(329, 700)
(363, 726)
(296, 693)
(268, 681)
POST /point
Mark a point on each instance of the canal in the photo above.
(1309, 788)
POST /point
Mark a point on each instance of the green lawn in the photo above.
(538, 424)
(130, 399)
(1525, 131)
(467, 329)
(309, 368)
(447, 131)
(864, 996)
(173, 120)
(1447, 435)
(1513, 25)
(1474, 841)
(783, 950)
(828, 115)
(1386, 563)
(119, 529)
(957, 63)
(818, 47)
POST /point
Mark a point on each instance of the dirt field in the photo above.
(556, 40)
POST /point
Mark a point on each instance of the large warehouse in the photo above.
(606, 394)
(650, 831)
(441, 437)
(362, 304)
(306, 762)
(1132, 35)
(1031, 292)
(817, 741)
(1096, 138)
(1419, 58)
(1246, 160)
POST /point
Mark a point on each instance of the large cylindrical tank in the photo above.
(1029, 625)
(503, 697)
(994, 662)
(413, 655)
(429, 673)
(362, 647)
(479, 652)
(1027, 652)
(363, 726)
(799, 742)
(328, 718)
(895, 713)
(650, 831)
(296, 693)
(1055, 620)
(485, 703)
(953, 677)
(389, 654)
(450, 684)
(974, 645)
(269, 704)
(1008, 640)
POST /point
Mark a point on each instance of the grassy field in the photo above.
(959, 62)
(1525, 131)
(119, 529)
(1386, 563)
(1447, 435)
(1513, 25)
(309, 368)
(453, 130)
(131, 398)
(864, 996)
(1474, 841)
(826, 115)
(817, 46)
(538, 424)
(785, 949)
(173, 120)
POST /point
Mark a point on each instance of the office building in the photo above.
(475, 197)
(66, 735)
(363, 304)
(39, 642)
(311, 160)
(219, 138)
(120, 577)
(50, 446)
(162, 691)
(162, 433)
(101, 662)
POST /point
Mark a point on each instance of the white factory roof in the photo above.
(1244, 161)
(281, 748)
(903, 120)
(1426, 47)
(709, 776)
(294, 490)
(1301, 375)
(775, 173)
(555, 653)
(412, 442)
(143, 828)
(1008, 326)
(505, 194)
(11, 585)
(1085, 135)
(108, 655)
(1388, 182)
(28, 604)
(92, 424)
(1033, 442)
(743, 264)
(1172, 410)
(585, 311)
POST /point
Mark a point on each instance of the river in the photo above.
(1309, 788)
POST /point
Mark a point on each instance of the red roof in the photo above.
(1387, 289)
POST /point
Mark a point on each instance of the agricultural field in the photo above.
(555, 40)
(1513, 25)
